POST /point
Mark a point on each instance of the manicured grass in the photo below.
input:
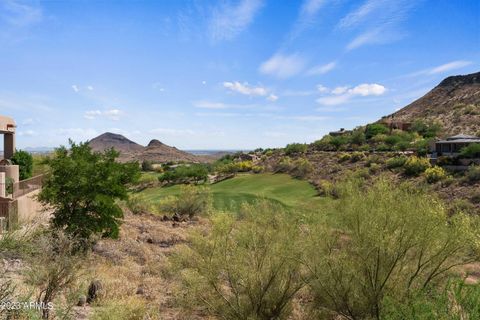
(229, 194)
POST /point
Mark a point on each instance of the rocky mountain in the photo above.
(155, 152)
(454, 103)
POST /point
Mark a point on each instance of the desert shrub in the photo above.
(471, 151)
(357, 156)
(473, 174)
(383, 147)
(396, 162)
(461, 205)
(247, 267)
(24, 160)
(373, 159)
(328, 189)
(147, 166)
(374, 168)
(55, 267)
(415, 166)
(426, 130)
(375, 129)
(137, 205)
(422, 147)
(301, 168)
(295, 148)
(284, 165)
(126, 309)
(475, 198)
(342, 157)
(257, 169)
(457, 300)
(185, 173)
(9, 182)
(402, 145)
(83, 187)
(435, 174)
(357, 137)
(192, 201)
(387, 241)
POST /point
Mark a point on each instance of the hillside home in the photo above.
(451, 146)
(340, 132)
(18, 203)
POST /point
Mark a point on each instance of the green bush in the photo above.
(344, 157)
(185, 173)
(415, 166)
(295, 148)
(147, 166)
(25, 162)
(301, 168)
(471, 151)
(357, 156)
(137, 205)
(473, 174)
(284, 165)
(246, 267)
(192, 201)
(375, 129)
(386, 242)
(435, 174)
(429, 130)
(257, 169)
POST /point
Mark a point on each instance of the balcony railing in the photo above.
(26, 186)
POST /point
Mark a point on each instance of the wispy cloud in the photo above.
(446, 67)
(308, 12)
(283, 66)
(229, 20)
(378, 20)
(341, 95)
(173, 132)
(112, 114)
(449, 66)
(75, 88)
(20, 13)
(322, 69)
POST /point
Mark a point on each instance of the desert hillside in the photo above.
(454, 103)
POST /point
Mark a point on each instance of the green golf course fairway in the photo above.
(229, 194)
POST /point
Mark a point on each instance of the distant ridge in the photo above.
(156, 151)
(454, 103)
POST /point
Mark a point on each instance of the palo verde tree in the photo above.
(82, 188)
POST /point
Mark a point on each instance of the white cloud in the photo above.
(92, 114)
(450, 66)
(360, 14)
(322, 88)
(112, 114)
(366, 89)
(272, 97)
(75, 88)
(339, 90)
(230, 20)
(245, 89)
(311, 7)
(77, 134)
(90, 88)
(205, 104)
(322, 69)
(341, 95)
(283, 66)
(28, 121)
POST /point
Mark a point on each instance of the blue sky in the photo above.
(223, 74)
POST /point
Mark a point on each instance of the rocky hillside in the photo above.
(156, 151)
(454, 103)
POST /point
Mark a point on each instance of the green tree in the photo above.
(147, 166)
(295, 148)
(25, 162)
(82, 188)
(376, 128)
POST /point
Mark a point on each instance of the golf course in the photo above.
(229, 194)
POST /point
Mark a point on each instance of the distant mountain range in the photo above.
(454, 103)
(155, 151)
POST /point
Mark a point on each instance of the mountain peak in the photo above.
(155, 143)
(455, 81)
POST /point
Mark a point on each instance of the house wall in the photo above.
(29, 207)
